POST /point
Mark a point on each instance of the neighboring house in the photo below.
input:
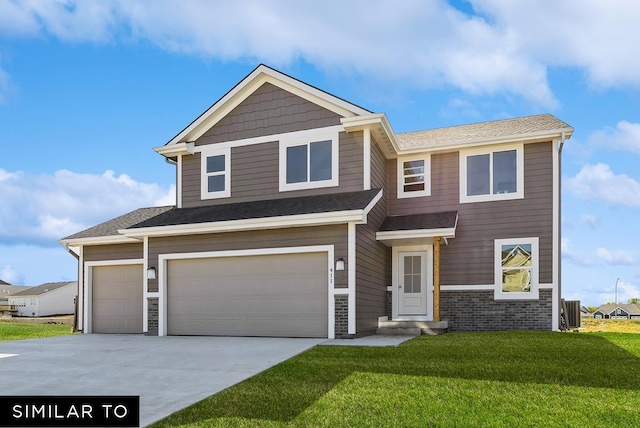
(584, 312)
(618, 311)
(6, 290)
(52, 298)
(301, 214)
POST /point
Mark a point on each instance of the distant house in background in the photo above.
(51, 298)
(7, 290)
(584, 312)
(619, 311)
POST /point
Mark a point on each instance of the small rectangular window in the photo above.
(414, 176)
(216, 174)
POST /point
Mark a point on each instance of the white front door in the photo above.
(412, 283)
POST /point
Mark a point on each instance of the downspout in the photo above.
(560, 147)
(75, 300)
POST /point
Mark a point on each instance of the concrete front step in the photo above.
(412, 328)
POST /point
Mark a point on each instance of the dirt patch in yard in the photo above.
(60, 319)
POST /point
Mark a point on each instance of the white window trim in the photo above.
(534, 294)
(204, 189)
(427, 176)
(307, 138)
(518, 194)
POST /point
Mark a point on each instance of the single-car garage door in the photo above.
(282, 295)
(117, 299)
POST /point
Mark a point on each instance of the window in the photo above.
(487, 175)
(414, 176)
(216, 173)
(516, 268)
(310, 164)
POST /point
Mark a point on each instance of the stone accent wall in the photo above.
(478, 311)
(341, 329)
(390, 304)
(153, 317)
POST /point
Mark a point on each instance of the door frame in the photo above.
(395, 290)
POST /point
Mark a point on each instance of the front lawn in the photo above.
(458, 379)
(18, 331)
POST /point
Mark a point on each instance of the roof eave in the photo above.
(299, 220)
(379, 125)
(548, 135)
(178, 149)
(98, 240)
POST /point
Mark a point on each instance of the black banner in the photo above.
(70, 411)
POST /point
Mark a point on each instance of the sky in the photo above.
(88, 88)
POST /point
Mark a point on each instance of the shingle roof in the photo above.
(43, 288)
(8, 290)
(482, 131)
(263, 209)
(4, 283)
(111, 227)
(442, 220)
(631, 308)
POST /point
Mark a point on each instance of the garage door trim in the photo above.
(88, 275)
(164, 258)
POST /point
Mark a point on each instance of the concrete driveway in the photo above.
(168, 373)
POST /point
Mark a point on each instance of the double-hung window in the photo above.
(216, 173)
(516, 268)
(414, 176)
(492, 174)
(309, 164)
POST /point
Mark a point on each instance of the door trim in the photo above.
(164, 258)
(395, 295)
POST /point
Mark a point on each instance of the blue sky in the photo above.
(88, 88)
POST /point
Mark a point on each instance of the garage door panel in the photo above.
(117, 299)
(272, 295)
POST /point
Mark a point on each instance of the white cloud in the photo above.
(615, 257)
(567, 252)
(625, 136)
(10, 275)
(589, 220)
(40, 209)
(598, 183)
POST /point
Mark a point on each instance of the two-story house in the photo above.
(300, 214)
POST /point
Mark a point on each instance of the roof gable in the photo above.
(258, 77)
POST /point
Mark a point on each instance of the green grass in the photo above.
(10, 331)
(458, 379)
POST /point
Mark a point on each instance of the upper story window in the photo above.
(516, 268)
(414, 176)
(216, 173)
(309, 164)
(489, 174)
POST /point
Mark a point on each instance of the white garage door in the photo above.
(117, 299)
(271, 295)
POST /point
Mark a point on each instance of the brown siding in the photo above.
(269, 110)
(468, 259)
(293, 237)
(255, 173)
(372, 257)
(96, 253)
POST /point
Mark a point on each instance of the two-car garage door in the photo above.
(261, 295)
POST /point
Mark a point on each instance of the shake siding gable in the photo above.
(268, 111)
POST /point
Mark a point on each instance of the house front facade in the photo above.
(51, 298)
(299, 214)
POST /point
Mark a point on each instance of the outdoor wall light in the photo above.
(151, 273)
(340, 264)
